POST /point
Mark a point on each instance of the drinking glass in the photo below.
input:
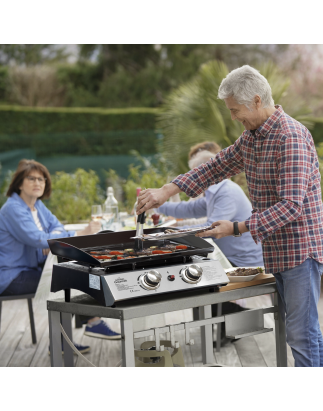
(96, 213)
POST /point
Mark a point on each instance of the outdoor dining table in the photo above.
(238, 325)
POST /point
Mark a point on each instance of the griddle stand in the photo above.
(239, 324)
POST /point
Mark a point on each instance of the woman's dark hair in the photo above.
(25, 167)
(206, 145)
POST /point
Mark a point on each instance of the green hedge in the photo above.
(40, 120)
(78, 131)
(84, 144)
(317, 132)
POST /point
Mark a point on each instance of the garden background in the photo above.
(126, 115)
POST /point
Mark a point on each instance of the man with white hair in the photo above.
(279, 158)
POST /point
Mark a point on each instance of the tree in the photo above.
(31, 54)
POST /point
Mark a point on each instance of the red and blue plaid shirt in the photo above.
(282, 171)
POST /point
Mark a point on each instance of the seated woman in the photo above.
(25, 226)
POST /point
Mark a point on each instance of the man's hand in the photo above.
(223, 228)
(155, 197)
(46, 251)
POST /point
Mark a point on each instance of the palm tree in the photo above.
(193, 113)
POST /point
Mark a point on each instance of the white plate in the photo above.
(241, 278)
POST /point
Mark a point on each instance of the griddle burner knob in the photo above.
(192, 274)
(151, 280)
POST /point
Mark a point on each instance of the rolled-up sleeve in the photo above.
(225, 164)
(23, 229)
(294, 164)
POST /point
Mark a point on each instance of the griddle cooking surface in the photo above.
(78, 248)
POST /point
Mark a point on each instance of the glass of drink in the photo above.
(96, 213)
(109, 214)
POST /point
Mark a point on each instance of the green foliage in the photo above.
(3, 83)
(79, 131)
(4, 185)
(74, 194)
(193, 113)
(317, 132)
(16, 119)
(147, 175)
(31, 54)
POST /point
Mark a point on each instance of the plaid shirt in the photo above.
(282, 171)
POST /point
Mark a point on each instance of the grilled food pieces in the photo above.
(128, 253)
(243, 272)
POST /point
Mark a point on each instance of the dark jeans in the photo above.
(26, 283)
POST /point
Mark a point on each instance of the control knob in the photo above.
(192, 274)
(150, 280)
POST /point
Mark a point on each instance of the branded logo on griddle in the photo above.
(120, 280)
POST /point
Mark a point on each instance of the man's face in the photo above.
(250, 119)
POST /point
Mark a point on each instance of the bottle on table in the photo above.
(110, 208)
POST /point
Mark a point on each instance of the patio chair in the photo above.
(29, 298)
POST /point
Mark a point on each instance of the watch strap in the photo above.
(236, 232)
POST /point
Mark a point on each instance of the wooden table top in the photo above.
(260, 279)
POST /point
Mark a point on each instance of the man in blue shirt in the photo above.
(223, 201)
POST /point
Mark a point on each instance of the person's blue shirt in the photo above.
(21, 242)
(223, 201)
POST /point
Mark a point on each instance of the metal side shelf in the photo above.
(247, 323)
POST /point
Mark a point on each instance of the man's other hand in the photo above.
(221, 228)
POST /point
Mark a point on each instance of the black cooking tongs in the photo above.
(139, 231)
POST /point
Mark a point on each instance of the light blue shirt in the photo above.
(21, 242)
(223, 201)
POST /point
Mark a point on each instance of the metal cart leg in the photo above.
(55, 340)
(218, 329)
(0, 314)
(280, 333)
(127, 345)
(68, 352)
(206, 336)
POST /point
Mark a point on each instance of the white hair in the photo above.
(243, 84)
(199, 158)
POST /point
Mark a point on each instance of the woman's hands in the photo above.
(93, 228)
(155, 197)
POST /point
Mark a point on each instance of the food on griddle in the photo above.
(168, 247)
(129, 253)
(181, 247)
(243, 272)
(144, 252)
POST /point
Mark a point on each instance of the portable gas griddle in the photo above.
(135, 276)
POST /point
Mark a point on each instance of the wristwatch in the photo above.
(236, 229)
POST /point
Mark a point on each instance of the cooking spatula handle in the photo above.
(141, 218)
